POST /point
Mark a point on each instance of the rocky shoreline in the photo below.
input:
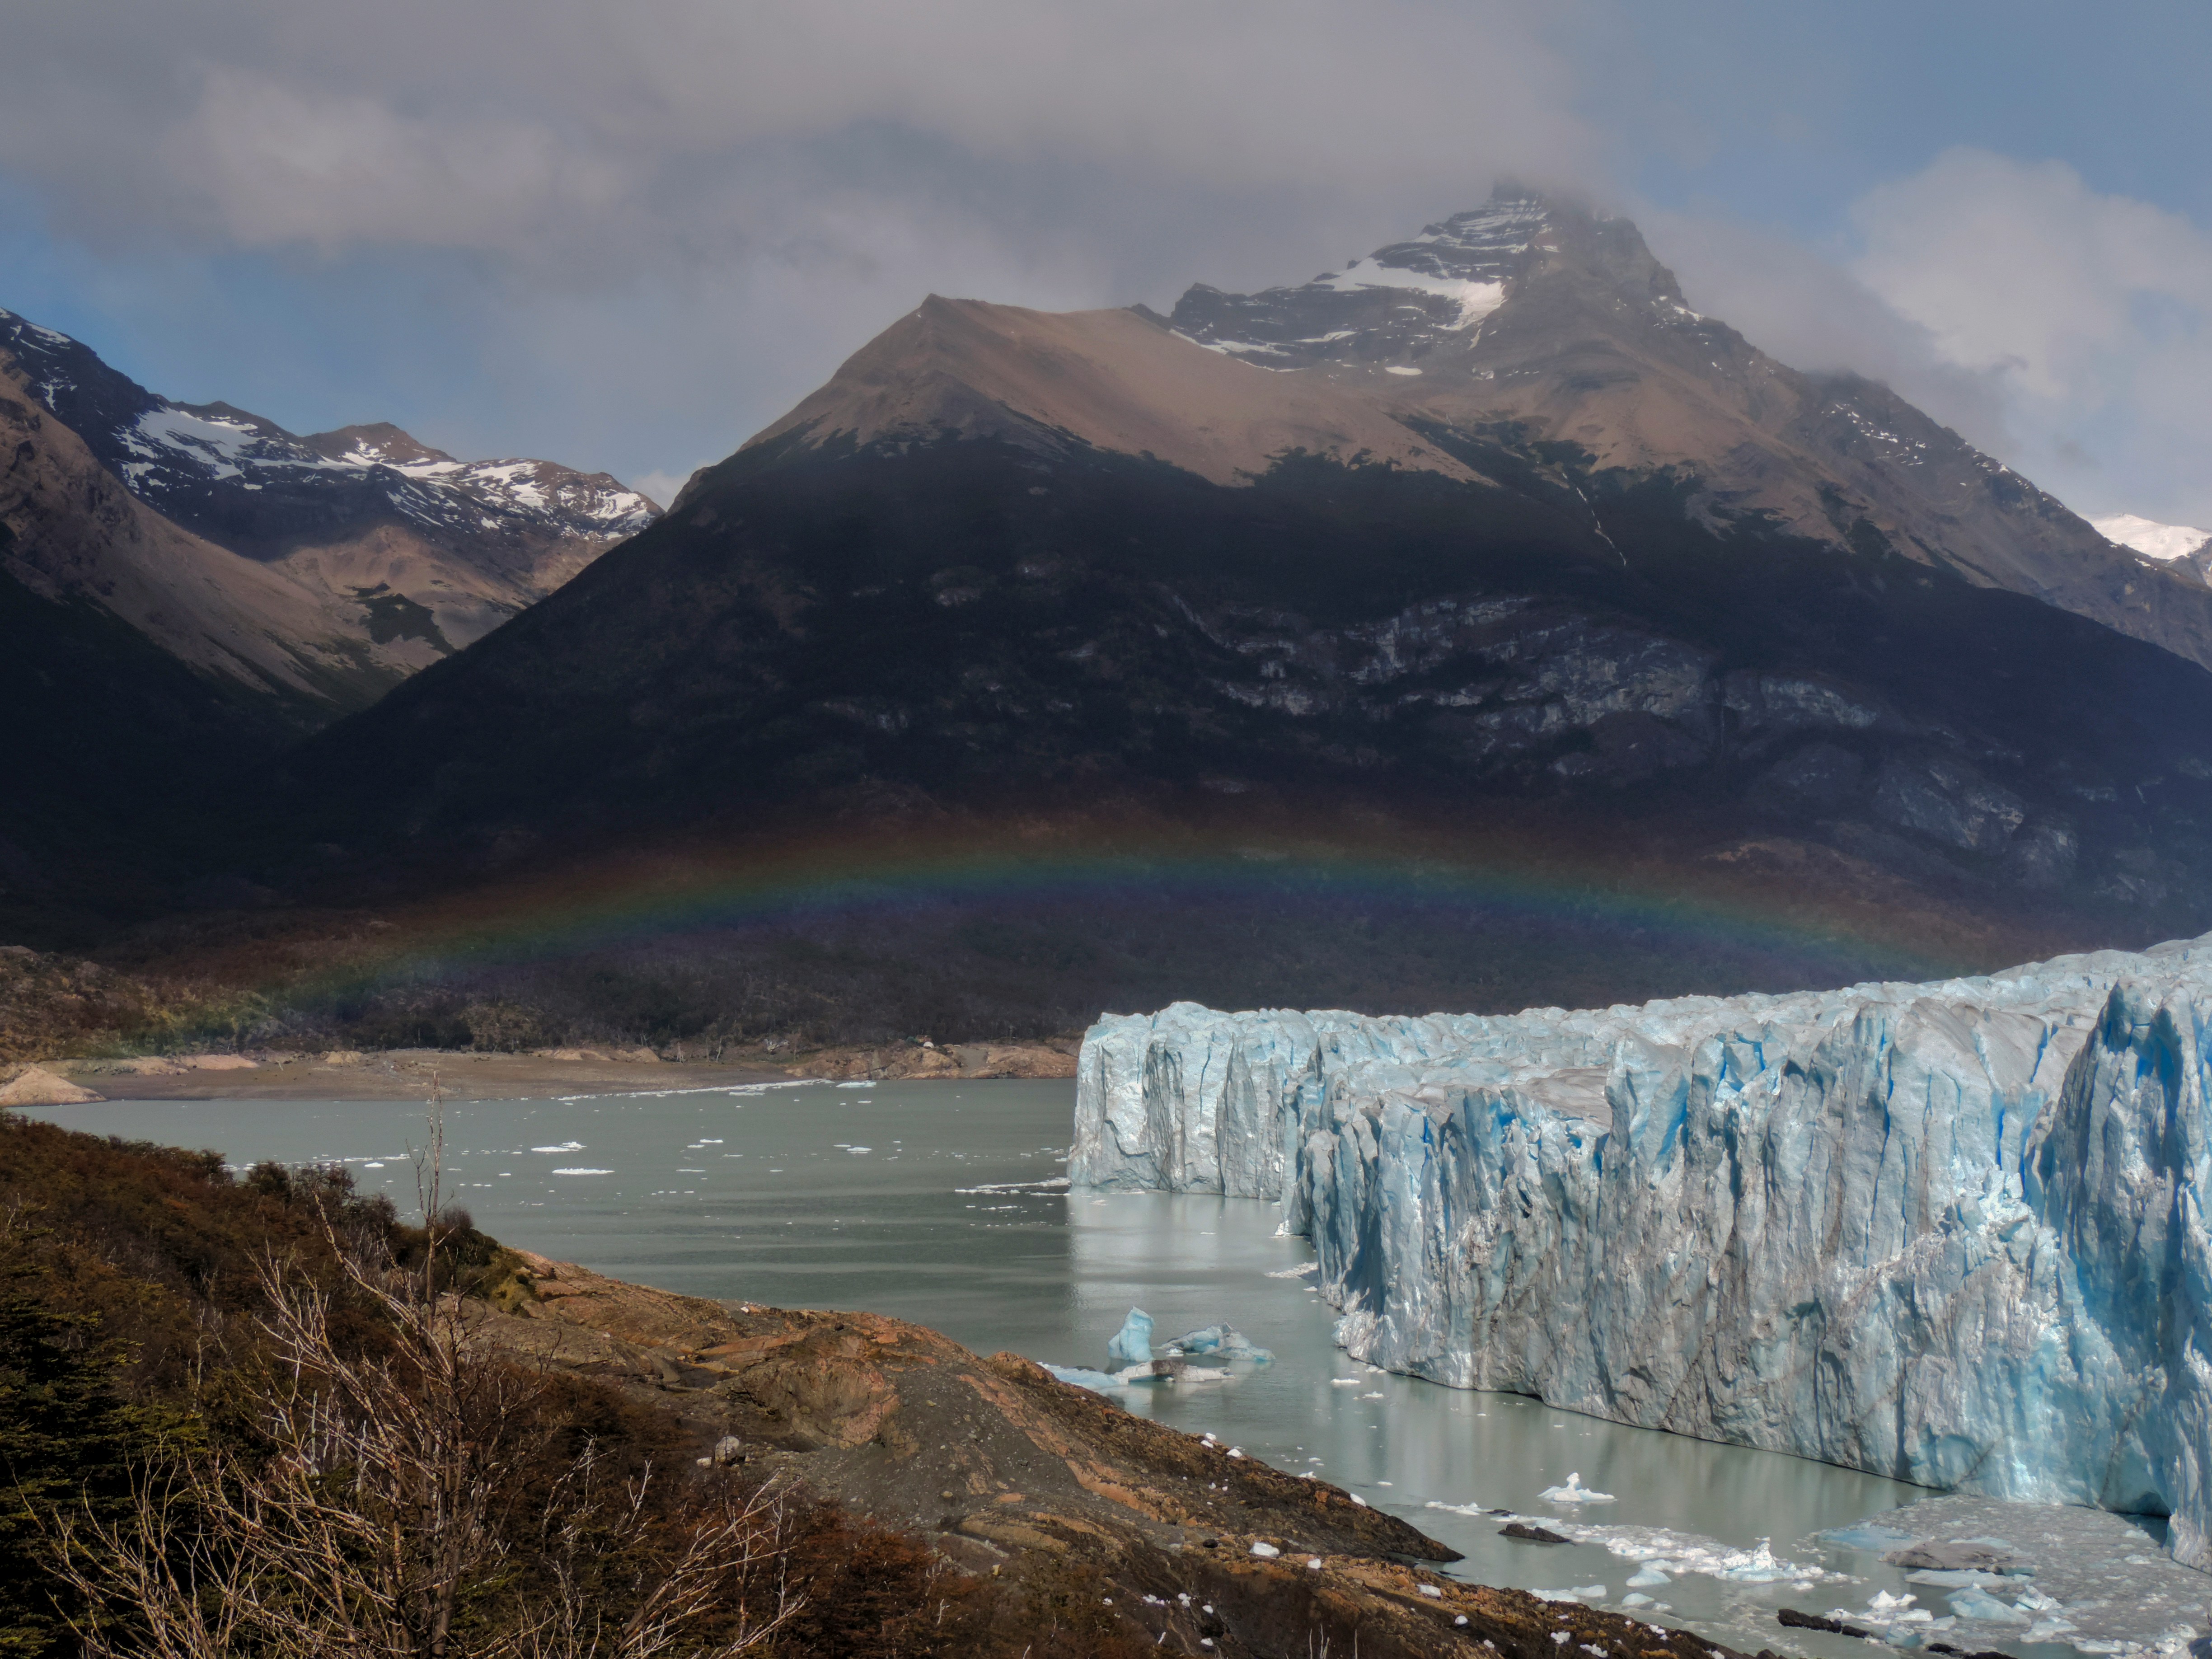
(994, 1464)
(409, 1073)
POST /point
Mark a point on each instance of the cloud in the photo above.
(552, 132)
(630, 236)
(1813, 313)
(656, 225)
(2091, 313)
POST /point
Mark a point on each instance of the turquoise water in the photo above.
(932, 1202)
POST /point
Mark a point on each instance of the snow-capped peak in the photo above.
(249, 484)
(1425, 302)
(2153, 540)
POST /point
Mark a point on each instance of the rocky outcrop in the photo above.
(1950, 1233)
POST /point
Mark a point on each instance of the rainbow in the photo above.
(1772, 914)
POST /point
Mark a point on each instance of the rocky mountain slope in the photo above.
(186, 589)
(1945, 1232)
(1532, 315)
(1487, 555)
(359, 543)
(1110, 381)
(1618, 561)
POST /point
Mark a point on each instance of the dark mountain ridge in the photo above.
(365, 517)
(1513, 556)
(1560, 323)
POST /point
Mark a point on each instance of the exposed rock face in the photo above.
(72, 532)
(1532, 317)
(1950, 1233)
(405, 552)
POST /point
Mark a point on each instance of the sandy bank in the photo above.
(408, 1073)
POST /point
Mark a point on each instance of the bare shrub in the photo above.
(372, 1507)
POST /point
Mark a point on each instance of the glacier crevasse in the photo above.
(1952, 1233)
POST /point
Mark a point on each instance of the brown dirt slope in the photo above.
(999, 1465)
(1110, 378)
(76, 532)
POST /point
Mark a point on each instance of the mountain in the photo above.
(1529, 316)
(186, 589)
(1114, 382)
(1486, 558)
(404, 553)
(2179, 547)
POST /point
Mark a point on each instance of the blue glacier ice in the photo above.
(1132, 1344)
(1953, 1233)
(1220, 1342)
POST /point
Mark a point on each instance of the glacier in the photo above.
(1951, 1233)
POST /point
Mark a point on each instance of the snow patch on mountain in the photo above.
(2153, 540)
(1475, 300)
(173, 454)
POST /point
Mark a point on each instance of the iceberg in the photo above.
(1952, 1233)
(1220, 1342)
(1132, 1344)
(1574, 1492)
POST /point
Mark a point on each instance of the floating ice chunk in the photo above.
(582, 1171)
(1647, 1577)
(1635, 1598)
(1217, 1341)
(1867, 1535)
(1983, 1608)
(565, 1146)
(1579, 1593)
(1574, 1492)
(1961, 1578)
(1343, 1382)
(1297, 1272)
(1132, 1344)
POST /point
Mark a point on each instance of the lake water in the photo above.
(930, 1201)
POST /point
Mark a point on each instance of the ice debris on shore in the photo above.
(1950, 1233)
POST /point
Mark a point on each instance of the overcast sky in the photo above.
(627, 235)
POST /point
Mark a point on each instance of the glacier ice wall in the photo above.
(1952, 1233)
